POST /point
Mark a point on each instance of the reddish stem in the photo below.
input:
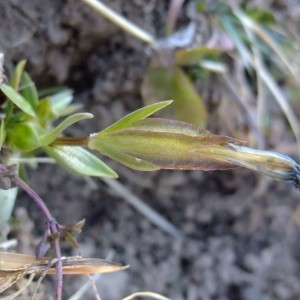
(53, 226)
(59, 272)
(36, 198)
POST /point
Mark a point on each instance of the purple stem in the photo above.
(53, 225)
(59, 272)
(36, 198)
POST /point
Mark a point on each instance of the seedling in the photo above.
(136, 141)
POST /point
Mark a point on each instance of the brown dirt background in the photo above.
(240, 241)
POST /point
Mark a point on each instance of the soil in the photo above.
(240, 240)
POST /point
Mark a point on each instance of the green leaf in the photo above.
(264, 17)
(61, 103)
(161, 83)
(16, 77)
(49, 137)
(194, 56)
(17, 99)
(80, 161)
(29, 91)
(23, 171)
(137, 115)
(169, 144)
(151, 144)
(44, 93)
(44, 112)
(200, 6)
(62, 99)
(2, 133)
(23, 137)
(121, 157)
(67, 236)
(68, 110)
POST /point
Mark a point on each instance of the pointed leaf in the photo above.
(172, 144)
(49, 137)
(61, 102)
(166, 144)
(75, 227)
(80, 161)
(194, 56)
(122, 157)
(137, 115)
(16, 77)
(265, 17)
(161, 83)
(62, 99)
(44, 112)
(23, 137)
(29, 91)
(17, 99)
(2, 133)
(67, 236)
(68, 110)
(47, 92)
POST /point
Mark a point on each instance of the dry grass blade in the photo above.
(260, 32)
(281, 100)
(17, 293)
(7, 279)
(244, 109)
(252, 28)
(140, 206)
(14, 266)
(265, 77)
(144, 209)
(120, 21)
(261, 109)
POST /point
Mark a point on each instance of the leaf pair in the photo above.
(149, 144)
(28, 121)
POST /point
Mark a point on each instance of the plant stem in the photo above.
(71, 141)
(59, 270)
(174, 10)
(36, 198)
(53, 229)
(53, 226)
(120, 21)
